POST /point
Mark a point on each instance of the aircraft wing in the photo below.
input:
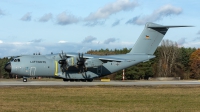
(108, 58)
(113, 59)
(102, 58)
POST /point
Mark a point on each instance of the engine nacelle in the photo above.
(62, 61)
(93, 62)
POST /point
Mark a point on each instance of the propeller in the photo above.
(63, 62)
(81, 63)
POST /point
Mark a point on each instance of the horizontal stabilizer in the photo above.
(167, 26)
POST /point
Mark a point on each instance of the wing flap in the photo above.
(112, 59)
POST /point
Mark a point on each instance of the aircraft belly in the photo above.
(111, 67)
(105, 69)
(71, 75)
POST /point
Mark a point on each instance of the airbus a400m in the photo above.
(85, 67)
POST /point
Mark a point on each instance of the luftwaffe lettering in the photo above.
(37, 61)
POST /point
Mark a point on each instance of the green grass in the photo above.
(99, 98)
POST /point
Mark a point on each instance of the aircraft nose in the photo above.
(8, 67)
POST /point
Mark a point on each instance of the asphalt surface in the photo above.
(97, 83)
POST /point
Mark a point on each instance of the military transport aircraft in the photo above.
(85, 67)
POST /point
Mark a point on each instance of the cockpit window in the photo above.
(16, 60)
(12, 60)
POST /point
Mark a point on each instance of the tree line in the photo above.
(3, 73)
(171, 61)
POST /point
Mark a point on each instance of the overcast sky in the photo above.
(45, 26)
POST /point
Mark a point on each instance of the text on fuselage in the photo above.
(37, 61)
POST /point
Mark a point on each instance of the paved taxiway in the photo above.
(97, 83)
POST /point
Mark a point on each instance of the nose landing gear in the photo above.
(24, 79)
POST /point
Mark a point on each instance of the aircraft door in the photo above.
(32, 71)
(99, 70)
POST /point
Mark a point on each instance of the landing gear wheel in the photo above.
(71, 80)
(77, 80)
(89, 80)
(65, 80)
(24, 79)
(83, 80)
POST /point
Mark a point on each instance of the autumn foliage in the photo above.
(195, 64)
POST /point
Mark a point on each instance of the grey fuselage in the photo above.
(48, 66)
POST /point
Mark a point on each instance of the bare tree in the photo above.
(169, 53)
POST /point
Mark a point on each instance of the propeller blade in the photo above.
(81, 63)
(79, 56)
(65, 56)
(60, 56)
(63, 61)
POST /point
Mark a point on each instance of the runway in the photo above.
(97, 83)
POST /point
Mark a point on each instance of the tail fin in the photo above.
(150, 38)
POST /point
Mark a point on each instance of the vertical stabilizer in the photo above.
(150, 38)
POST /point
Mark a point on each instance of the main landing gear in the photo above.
(78, 80)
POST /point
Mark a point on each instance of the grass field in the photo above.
(100, 98)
